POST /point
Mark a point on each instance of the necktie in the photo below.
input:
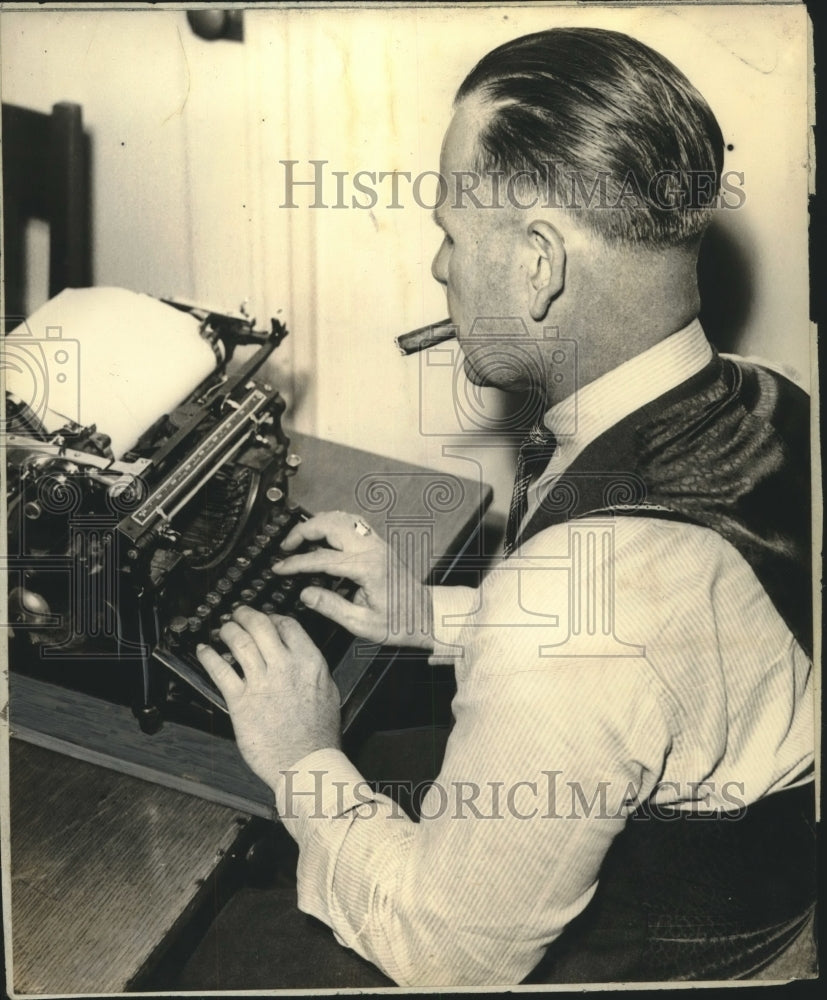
(535, 454)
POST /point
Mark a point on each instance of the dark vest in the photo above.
(682, 897)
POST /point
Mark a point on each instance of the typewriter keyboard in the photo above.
(249, 580)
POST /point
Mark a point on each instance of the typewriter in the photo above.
(119, 567)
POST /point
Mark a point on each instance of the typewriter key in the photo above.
(212, 598)
(267, 608)
(223, 586)
(178, 626)
(234, 574)
(247, 594)
(242, 562)
(262, 541)
(203, 611)
(257, 584)
(253, 551)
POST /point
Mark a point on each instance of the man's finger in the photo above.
(333, 526)
(297, 641)
(355, 619)
(325, 527)
(244, 648)
(321, 561)
(263, 632)
(224, 677)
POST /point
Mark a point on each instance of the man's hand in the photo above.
(286, 705)
(391, 606)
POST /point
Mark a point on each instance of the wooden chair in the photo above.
(46, 171)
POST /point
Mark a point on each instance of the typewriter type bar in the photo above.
(425, 337)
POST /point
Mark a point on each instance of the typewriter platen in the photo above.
(118, 568)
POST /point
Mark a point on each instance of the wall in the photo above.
(188, 189)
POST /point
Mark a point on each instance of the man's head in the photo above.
(602, 164)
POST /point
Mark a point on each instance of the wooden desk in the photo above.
(103, 867)
(105, 861)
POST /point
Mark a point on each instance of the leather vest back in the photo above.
(685, 897)
(729, 450)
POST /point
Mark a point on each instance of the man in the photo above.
(581, 827)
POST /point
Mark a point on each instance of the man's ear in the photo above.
(548, 273)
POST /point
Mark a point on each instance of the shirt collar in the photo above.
(588, 412)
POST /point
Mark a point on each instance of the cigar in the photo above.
(425, 336)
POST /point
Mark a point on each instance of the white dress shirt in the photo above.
(604, 663)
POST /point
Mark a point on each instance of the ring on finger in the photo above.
(361, 528)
